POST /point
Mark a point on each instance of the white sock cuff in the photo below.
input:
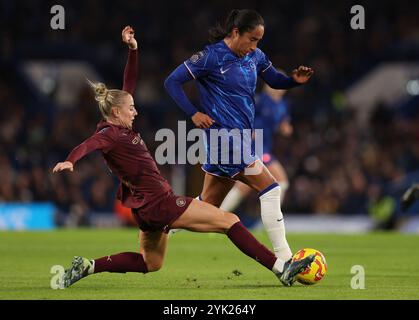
(274, 190)
(92, 270)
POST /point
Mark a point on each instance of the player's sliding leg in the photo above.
(204, 217)
(150, 259)
(214, 190)
(270, 201)
(173, 231)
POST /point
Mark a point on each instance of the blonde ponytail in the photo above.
(106, 98)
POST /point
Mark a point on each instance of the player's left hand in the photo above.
(302, 74)
(60, 166)
(128, 37)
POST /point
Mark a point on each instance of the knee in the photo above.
(233, 218)
(229, 220)
(153, 265)
(211, 200)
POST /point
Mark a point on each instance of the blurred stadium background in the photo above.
(355, 147)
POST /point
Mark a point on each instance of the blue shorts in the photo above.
(224, 170)
(227, 157)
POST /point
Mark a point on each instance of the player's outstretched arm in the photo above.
(103, 140)
(278, 80)
(131, 68)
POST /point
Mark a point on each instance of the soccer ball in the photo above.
(316, 271)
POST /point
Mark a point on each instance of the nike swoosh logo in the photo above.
(224, 71)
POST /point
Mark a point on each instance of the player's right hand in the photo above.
(60, 166)
(202, 121)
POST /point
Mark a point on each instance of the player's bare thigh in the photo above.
(215, 189)
(204, 217)
(153, 248)
(277, 171)
(258, 181)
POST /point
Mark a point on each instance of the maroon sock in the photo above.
(248, 244)
(121, 262)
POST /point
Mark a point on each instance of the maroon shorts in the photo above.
(160, 215)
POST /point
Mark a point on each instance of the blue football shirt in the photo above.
(227, 84)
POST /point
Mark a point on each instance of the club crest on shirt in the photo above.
(180, 202)
(197, 56)
(137, 139)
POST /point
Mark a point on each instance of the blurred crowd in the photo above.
(333, 164)
(337, 166)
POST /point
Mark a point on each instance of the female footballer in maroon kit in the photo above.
(154, 205)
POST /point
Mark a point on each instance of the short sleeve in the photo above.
(263, 62)
(201, 63)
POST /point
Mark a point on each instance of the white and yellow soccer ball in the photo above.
(316, 271)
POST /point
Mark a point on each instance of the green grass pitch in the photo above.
(207, 266)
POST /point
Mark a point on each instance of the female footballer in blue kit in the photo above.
(271, 115)
(226, 72)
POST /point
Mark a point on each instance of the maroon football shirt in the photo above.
(126, 154)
